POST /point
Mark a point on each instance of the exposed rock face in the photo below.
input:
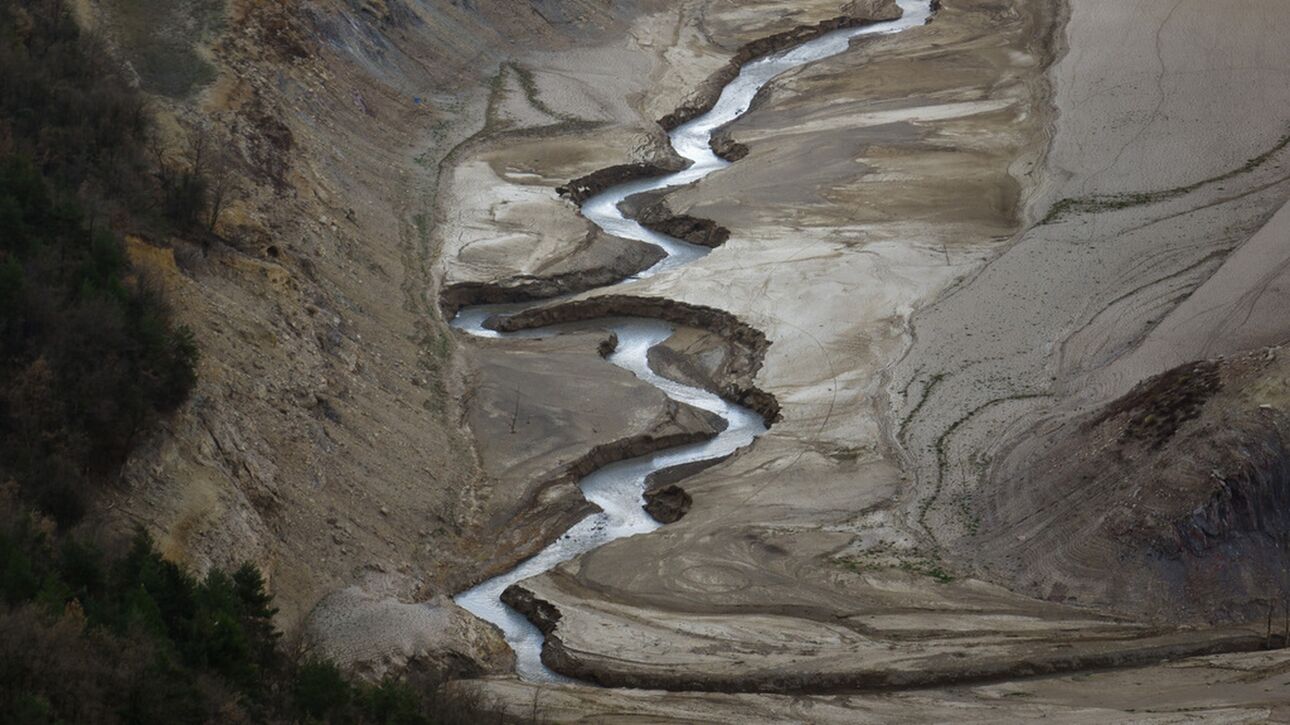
(373, 636)
(667, 504)
(540, 613)
(1250, 498)
(1183, 487)
(728, 148)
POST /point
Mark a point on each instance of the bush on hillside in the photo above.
(88, 355)
(85, 637)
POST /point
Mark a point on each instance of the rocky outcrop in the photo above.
(1250, 498)
(668, 504)
(1184, 491)
(726, 147)
(608, 345)
(666, 501)
(542, 614)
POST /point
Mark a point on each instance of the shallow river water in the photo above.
(618, 488)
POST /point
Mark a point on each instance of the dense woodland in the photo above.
(88, 356)
(104, 631)
(87, 637)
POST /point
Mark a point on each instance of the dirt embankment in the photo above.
(652, 211)
(695, 230)
(1184, 505)
(749, 343)
(527, 288)
(859, 678)
(585, 187)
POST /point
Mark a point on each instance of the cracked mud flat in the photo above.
(886, 237)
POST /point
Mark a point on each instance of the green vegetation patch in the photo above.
(930, 568)
(86, 637)
(88, 355)
(884, 556)
(1159, 406)
(161, 39)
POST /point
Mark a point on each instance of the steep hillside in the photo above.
(324, 440)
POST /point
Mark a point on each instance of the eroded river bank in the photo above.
(617, 490)
(878, 194)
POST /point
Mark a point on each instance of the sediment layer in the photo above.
(749, 341)
(860, 678)
(528, 288)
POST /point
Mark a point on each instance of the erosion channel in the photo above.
(617, 489)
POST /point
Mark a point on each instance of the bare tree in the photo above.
(1285, 609)
(1272, 605)
(197, 150)
(160, 162)
(222, 187)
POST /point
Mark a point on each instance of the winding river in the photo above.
(618, 489)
